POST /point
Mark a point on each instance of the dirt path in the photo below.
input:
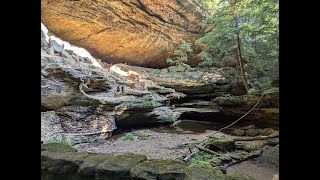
(155, 146)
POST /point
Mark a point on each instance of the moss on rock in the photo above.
(57, 147)
(238, 132)
(252, 132)
(161, 169)
(62, 163)
(118, 166)
(201, 171)
(229, 100)
(90, 165)
(266, 131)
(222, 144)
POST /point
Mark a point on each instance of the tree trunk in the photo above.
(278, 46)
(241, 63)
(239, 54)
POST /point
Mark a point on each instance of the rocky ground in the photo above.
(156, 143)
(265, 167)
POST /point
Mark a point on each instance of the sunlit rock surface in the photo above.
(139, 32)
(82, 100)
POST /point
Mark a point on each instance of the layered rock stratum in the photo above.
(83, 100)
(138, 32)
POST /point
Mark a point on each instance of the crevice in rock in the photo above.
(176, 11)
(142, 7)
(123, 127)
(45, 109)
(77, 17)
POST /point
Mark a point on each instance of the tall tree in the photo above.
(245, 29)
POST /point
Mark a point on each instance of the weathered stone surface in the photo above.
(56, 94)
(62, 163)
(90, 165)
(50, 126)
(252, 132)
(236, 176)
(57, 147)
(176, 69)
(153, 27)
(224, 144)
(161, 169)
(266, 112)
(269, 100)
(238, 132)
(201, 171)
(164, 114)
(273, 141)
(266, 131)
(88, 100)
(119, 166)
(250, 146)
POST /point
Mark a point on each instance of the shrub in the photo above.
(128, 136)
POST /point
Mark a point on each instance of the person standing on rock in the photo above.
(117, 93)
(122, 89)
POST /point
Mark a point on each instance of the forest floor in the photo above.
(167, 143)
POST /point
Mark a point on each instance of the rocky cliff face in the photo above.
(139, 32)
(86, 99)
(83, 100)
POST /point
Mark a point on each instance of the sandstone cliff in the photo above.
(83, 100)
(139, 32)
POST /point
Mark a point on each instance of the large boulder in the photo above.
(224, 144)
(118, 166)
(139, 32)
(62, 163)
(202, 171)
(161, 169)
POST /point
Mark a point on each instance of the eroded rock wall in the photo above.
(139, 32)
(82, 100)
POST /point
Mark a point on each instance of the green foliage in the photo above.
(142, 135)
(200, 159)
(250, 148)
(256, 22)
(213, 138)
(262, 83)
(181, 55)
(142, 103)
(150, 103)
(206, 59)
(128, 136)
(204, 158)
(63, 140)
(169, 117)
